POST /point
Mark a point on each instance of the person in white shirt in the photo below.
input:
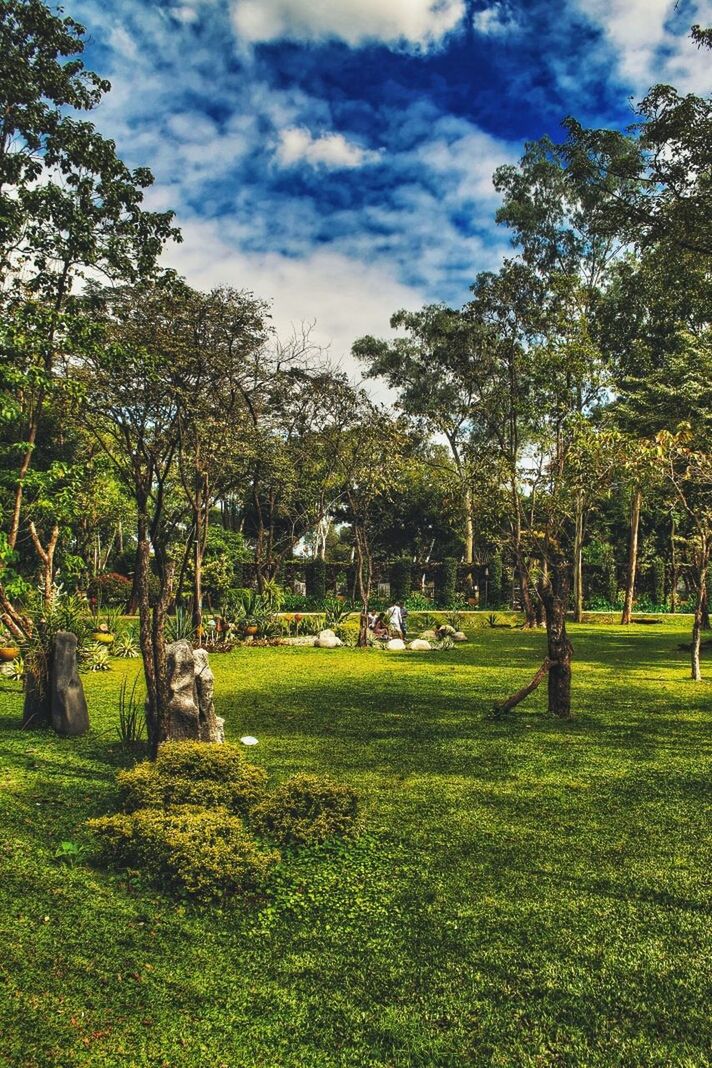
(395, 619)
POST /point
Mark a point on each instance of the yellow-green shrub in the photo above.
(193, 773)
(202, 852)
(306, 809)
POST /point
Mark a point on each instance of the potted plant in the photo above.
(8, 651)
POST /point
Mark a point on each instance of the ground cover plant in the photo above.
(525, 891)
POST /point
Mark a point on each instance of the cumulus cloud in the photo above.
(393, 22)
(332, 150)
(494, 21)
(650, 39)
(347, 297)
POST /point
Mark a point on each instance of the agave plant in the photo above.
(96, 658)
(125, 645)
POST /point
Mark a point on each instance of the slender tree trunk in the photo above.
(158, 645)
(141, 583)
(47, 558)
(469, 535)
(698, 621)
(20, 487)
(632, 554)
(578, 561)
(674, 567)
(554, 592)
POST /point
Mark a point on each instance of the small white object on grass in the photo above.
(247, 739)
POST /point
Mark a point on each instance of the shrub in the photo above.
(206, 853)
(401, 579)
(446, 582)
(658, 576)
(306, 809)
(494, 598)
(418, 602)
(111, 589)
(316, 579)
(193, 773)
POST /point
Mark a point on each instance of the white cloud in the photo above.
(650, 37)
(332, 150)
(494, 21)
(417, 22)
(347, 297)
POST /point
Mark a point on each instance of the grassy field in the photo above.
(527, 892)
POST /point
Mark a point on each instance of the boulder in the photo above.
(220, 729)
(395, 644)
(70, 716)
(327, 633)
(205, 684)
(326, 641)
(428, 636)
(420, 645)
(183, 708)
(459, 636)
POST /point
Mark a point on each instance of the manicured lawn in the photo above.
(528, 892)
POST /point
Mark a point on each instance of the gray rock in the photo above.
(70, 716)
(183, 708)
(208, 730)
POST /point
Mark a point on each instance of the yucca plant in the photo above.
(180, 626)
(131, 717)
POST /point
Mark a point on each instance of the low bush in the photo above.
(205, 853)
(193, 773)
(306, 809)
(111, 589)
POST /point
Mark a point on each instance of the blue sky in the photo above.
(336, 155)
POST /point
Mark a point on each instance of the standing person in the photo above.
(394, 618)
(404, 619)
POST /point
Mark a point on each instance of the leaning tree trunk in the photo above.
(632, 554)
(554, 592)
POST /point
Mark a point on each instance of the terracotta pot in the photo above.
(8, 653)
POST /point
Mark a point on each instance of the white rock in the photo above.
(420, 644)
(325, 641)
(428, 636)
(459, 636)
(327, 634)
(220, 729)
(395, 644)
(247, 739)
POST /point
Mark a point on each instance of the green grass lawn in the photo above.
(528, 892)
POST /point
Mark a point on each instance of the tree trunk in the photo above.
(673, 565)
(47, 558)
(578, 561)
(520, 565)
(698, 622)
(632, 554)
(554, 592)
(141, 582)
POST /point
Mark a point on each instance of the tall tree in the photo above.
(68, 204)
